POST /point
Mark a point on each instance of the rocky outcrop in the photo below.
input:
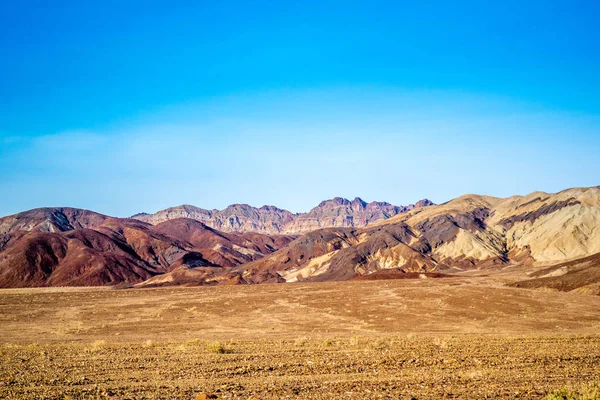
(238, 218)
(337, 212)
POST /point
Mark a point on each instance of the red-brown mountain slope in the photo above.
(71, 247)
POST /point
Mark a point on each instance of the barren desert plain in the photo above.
(467, 336)
(299, 200)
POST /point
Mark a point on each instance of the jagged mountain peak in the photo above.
(271, 208)
(336, 201)
(424, 203)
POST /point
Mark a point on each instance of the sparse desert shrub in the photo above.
(590, 392)
(562, 394)
(355, 340)
(217, 347)
(96, 345)
(440, 342)
(411, 336)
(327, 343)
(380, 344)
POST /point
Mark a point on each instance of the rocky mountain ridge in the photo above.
(271, 220)
(554, 238)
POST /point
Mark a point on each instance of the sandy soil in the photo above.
(465, 337)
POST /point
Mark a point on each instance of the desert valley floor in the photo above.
(463, 337)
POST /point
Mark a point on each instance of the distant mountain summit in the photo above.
(240, 218)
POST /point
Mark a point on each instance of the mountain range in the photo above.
(337, 212)
(554, 236)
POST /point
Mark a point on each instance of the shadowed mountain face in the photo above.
(557, 234)
(337, 212)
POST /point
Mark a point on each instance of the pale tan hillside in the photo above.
(469, 232)
(553, 227)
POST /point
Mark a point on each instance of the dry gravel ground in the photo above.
(454, 337)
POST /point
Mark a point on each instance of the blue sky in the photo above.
(123, 107)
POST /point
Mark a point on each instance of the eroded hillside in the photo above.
(61, 246)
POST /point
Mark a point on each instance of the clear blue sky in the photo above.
(123, 107)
